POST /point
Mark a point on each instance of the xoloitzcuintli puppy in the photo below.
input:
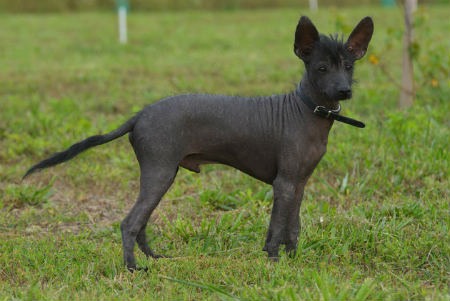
(278, 139)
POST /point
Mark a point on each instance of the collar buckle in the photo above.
(327, 113)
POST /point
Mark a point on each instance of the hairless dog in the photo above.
(278, 139)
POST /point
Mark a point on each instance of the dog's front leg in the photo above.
(293, 222)
(284, 221)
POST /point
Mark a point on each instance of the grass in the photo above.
(375, 217)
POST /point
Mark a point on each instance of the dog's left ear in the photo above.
(359, 39)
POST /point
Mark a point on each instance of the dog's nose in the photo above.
(345, 93)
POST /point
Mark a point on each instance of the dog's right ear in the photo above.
(306, 35)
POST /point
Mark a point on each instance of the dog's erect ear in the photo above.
(359, 39)
(306, 35)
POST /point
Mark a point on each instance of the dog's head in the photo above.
(328, 60)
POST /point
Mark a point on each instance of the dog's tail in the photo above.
(83, 145)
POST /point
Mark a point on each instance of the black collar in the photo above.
(327, 113)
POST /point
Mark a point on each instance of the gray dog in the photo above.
(277, 139)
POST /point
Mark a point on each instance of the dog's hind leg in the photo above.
(155, 181)
(141, 240)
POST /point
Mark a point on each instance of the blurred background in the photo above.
(375, 216)
(158, 5)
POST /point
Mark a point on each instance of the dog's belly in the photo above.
(263, 170)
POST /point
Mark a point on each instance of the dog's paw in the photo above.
(133, 269)
(274, 259)
(158, 256)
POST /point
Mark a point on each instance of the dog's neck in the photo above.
(318, 127)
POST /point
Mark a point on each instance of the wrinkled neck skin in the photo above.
(317, 127)
(314, 93)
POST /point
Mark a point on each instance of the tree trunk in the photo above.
(407, 93)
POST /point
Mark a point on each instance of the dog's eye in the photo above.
(323, 68)
(348, 67)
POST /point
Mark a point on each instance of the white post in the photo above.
(313, 5)
(122, 11)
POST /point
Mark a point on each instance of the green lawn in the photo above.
(376, 213)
